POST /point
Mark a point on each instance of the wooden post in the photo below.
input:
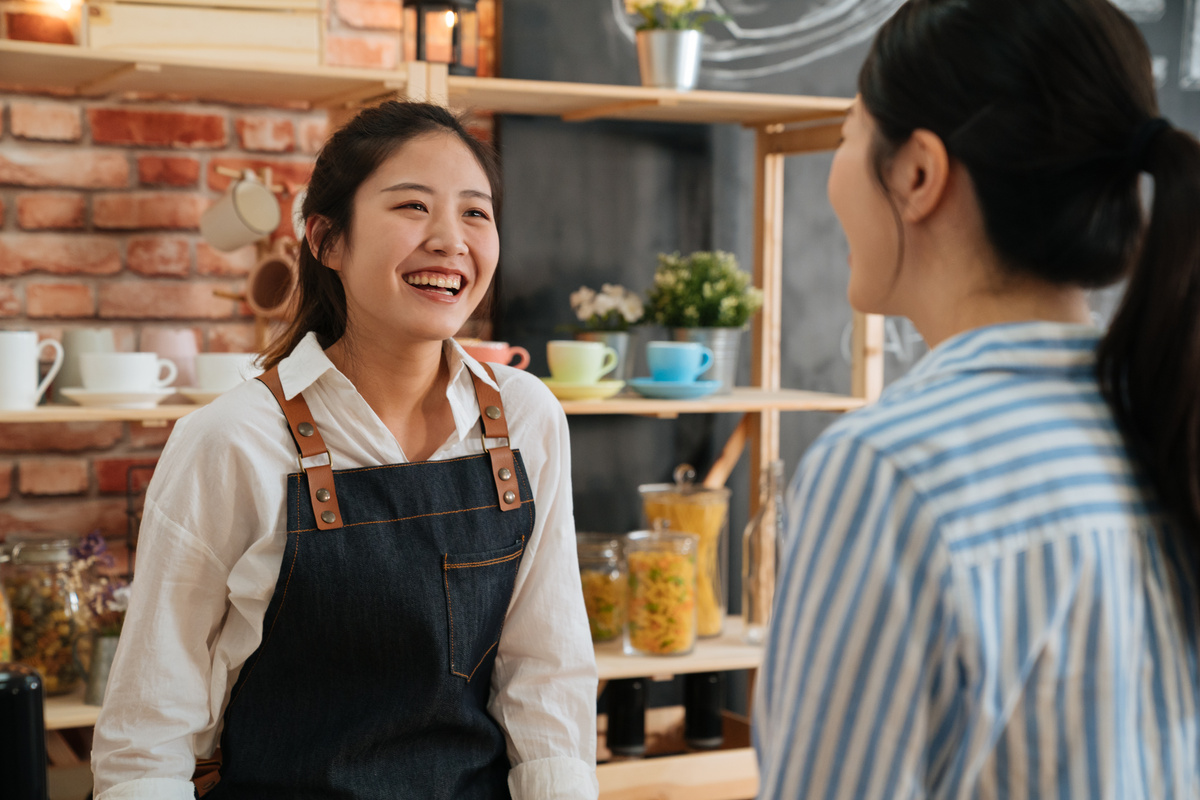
(866, 356)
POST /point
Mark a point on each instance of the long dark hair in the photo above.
(1050, 106)
(347, 159)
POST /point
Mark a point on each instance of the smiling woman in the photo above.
(434, 640)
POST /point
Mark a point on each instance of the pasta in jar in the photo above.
(603, 579)
(662, 593)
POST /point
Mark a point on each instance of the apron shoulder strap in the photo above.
(495, 426)
(312, 447)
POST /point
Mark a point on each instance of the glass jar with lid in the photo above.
(602, 573)
(47, 613)
(5, 614)
(662, 592)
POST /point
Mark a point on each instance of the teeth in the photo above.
(447, 282)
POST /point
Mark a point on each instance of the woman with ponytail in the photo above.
(989, 587)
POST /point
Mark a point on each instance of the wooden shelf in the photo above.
(741, 400)
(718, 654)
(719, 775)
(69, 711)
(80, 71)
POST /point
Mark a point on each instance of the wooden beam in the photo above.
(359, 94)
(811, 139)
(866, 356)
(105, 82)
(606, 110)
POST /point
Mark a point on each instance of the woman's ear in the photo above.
(316, 228)
(919, 174)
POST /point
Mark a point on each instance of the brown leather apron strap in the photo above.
(310, 444)
(495, 426)
(207, 774)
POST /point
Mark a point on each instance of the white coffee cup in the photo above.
(220, 372)
(126, 372)
(76, 341)
(246, 213)
(579, 362)
(20, 354)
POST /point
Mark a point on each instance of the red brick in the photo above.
(60, 437)
(6, 471)
(66, 168)
(370, 14)
(10, 304)
(49, 122)
(39, 28)
(42, 476)
(168, 170)
(112, 473)
(282, 170)
(1, 212)
(211, 261)
(59, 300)
(233, 337)
(158, 255)
(266, 134)
(362, 51)
(141, 435)
(487, 18)
(124, 126)
(51, 210)
(133, 210)
(75, 518)
(76, 254)
(311, 134)
(159, 300)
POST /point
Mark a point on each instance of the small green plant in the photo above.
(670, 15)
(702, 290)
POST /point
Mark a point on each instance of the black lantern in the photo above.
(442, 32)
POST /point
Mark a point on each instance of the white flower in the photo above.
(120, 598)
(603, 304)
(631, 308)
(582, 303)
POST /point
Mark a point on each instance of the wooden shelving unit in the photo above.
(784, 125)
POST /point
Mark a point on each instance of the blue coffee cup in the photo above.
(677, 362)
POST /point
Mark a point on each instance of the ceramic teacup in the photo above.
(245, 214)
(75, 342)
(579, 362)
(20, 353)
(677, 362)
(220, 372)
(495, 352)
(126, 372)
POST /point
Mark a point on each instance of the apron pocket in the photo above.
(478, 589)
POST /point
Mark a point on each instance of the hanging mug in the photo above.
(20, 354)
(271, 284)
(245, 214)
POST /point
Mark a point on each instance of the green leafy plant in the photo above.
(702, 290)
(670, 15)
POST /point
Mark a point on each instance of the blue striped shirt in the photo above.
(976, 597)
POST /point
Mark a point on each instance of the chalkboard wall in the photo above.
(588, 203)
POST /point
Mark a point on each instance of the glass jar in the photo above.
(704, 512)
(5, 615)
(603, 577)
(47, 613)
(662, 592)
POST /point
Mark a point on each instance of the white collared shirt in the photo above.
(211, 544)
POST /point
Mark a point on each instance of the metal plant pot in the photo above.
(669, 59)
(724, 343)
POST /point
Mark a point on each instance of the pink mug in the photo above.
(495, 352)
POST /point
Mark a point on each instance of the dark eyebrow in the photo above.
(420, 187)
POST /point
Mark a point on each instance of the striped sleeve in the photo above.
(860, 650)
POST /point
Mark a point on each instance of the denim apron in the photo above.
(373, 675)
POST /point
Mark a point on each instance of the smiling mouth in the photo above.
(435, 282)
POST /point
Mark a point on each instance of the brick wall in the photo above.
(100, 202)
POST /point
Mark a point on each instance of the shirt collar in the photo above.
(1011, 346)
(301, 368)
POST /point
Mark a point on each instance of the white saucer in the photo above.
(198, 396)
(583, 391)
(97, 397)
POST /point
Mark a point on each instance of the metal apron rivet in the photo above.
(328, 517)
(505, 473)
(305, 428)
(509, 497)
(323, 496)
(492, 412)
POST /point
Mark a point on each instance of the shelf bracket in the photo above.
(607, 110)
(104, 83)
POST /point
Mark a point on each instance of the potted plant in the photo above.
(605, 316)
(669, 41)
(107, 598)
(704, 297)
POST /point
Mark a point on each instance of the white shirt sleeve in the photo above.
(544, 680)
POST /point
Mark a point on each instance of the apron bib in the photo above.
(374, 671)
